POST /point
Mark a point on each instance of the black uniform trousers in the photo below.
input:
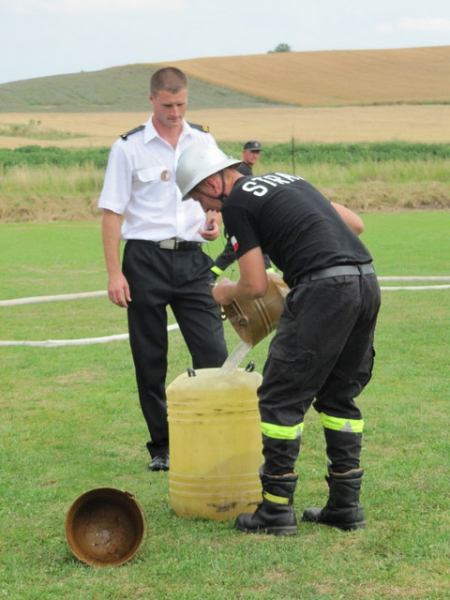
(180, 279)
(322, 350)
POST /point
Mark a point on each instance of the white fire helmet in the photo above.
(198, 162)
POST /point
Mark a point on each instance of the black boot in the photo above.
(276, 513)
(342, 509)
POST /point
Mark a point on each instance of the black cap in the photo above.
(252, 145)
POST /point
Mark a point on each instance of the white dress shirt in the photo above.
(140, 185)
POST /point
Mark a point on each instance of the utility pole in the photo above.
(293, 152)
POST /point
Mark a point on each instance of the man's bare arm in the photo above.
(118, 289)
(353, 221)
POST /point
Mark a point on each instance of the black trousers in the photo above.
(180, 279)
(322, 350)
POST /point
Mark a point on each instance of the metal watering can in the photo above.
(253, 320)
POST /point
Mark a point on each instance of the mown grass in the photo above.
(71, 422)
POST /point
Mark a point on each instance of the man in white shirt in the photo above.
(163, 262)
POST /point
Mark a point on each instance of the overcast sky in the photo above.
(53, 37)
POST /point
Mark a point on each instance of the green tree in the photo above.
(281, 48)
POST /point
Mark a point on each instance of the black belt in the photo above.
(365, 269)
(173, 244)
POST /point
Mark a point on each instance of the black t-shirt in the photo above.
(292, 222)
(245, 169)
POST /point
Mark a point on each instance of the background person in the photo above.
(163, 261)
(250, 156)
(322, 351)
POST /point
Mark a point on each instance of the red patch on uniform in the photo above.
(235, 243)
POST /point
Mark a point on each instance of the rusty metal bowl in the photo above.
(105, 527)
(253, 320)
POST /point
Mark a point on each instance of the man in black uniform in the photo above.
(322, 351)
(250, 156)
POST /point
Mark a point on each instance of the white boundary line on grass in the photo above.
(416, 278)
(79, 342)
(39, 299)
(414, 288)
(124, 336)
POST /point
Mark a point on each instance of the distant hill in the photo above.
(329, 78)
(118, 89)
(334, 78)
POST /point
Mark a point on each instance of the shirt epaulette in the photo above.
(203, 128)
(135, 130)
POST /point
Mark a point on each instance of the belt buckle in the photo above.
(168, 244)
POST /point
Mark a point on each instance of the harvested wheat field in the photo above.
(409, 123)
(338, 77)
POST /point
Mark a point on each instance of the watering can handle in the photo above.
(243, 319)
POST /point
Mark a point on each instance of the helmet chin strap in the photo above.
(222, 196)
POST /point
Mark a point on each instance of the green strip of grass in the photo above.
(304, 154)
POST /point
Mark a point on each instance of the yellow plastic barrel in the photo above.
(215, 444)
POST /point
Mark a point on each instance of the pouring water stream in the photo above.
(235, 358)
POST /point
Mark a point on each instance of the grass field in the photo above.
(71, 422)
